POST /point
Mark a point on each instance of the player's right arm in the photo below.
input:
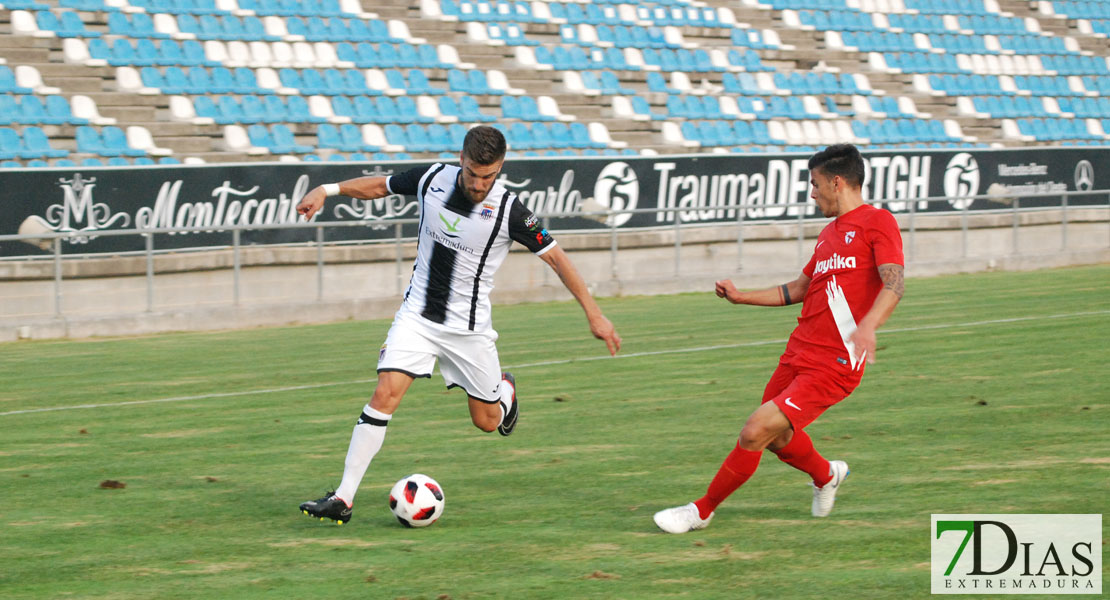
(780, 295)
(364, 188)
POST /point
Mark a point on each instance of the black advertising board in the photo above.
(707, 189)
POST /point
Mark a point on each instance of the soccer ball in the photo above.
(416, 500)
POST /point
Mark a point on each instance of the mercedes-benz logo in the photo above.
(1084, 176)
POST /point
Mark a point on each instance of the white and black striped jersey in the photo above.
(461, 245)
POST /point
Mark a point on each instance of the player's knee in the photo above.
(385, 401)
(755, 437)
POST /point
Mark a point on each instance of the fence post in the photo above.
(149, 271)
(740, 236)
(58, 276)
(235, 265)
(319, 262)
(1064, 223)
(612, 246)
(1017, 214)
(963, 228)
(677, 244)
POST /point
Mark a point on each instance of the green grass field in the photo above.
(990, 396)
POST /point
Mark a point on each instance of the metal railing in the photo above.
(910, 226)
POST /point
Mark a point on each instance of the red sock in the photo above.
(737, 468)
(801, 455)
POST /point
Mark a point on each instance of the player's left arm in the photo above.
(894, 286)
(600, 326)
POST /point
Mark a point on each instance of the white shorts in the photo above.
(467, 359)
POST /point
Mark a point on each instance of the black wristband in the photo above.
(785, 295)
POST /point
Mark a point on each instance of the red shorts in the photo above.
(803, 393)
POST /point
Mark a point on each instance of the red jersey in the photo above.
(844, 283)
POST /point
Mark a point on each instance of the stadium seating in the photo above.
(726, 78)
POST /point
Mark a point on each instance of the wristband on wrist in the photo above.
(331, 189)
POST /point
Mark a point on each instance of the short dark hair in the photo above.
(484, 145)
(840, 159)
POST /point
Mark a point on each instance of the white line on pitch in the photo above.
(545, 363)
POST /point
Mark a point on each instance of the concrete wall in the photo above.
(193, 291)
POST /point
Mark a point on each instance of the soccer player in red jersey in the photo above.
(848, 290)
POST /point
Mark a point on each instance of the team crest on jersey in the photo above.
(848, 237)
(487, 212)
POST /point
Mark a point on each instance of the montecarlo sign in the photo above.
(691, 189)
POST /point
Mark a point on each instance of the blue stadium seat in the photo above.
(457, 81)
(406, 108)
(610, 84)
(541, 135)
(510, 108)
(420, 86)
(343, 106)
(231, 112)
(519, 137)
(58, 107)
(479, 85)
(657, 83)
(580, 136)
(641, 107)
(284, 141)
(32, 111)
(395, 135)
(8, 83)
(11, 144)
(352, 137)
(37, 145)
(468, 106)
(296, 110)
(258, 110)
(450, 108)
(327, 136)
(115, 139)
(68, 25)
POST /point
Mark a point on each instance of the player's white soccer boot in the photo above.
(681, 519)
(824, 497)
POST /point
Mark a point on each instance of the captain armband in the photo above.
(785, 295)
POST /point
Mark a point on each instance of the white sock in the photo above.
(506, 399)
(366, 440)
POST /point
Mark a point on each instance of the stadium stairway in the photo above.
(801, 51)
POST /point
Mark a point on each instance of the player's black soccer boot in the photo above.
(509, 422)
(328, 507)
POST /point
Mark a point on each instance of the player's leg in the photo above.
(369, 433)
(366, 440)
(408, 353)
(794, 446)
(808, 395)
(472, 363)
(763, 426)
(484, 414)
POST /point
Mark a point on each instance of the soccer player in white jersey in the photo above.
(856, 272)
(468, 220)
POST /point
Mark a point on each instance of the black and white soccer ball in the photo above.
(416, 500)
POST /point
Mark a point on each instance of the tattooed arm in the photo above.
(894, 285)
